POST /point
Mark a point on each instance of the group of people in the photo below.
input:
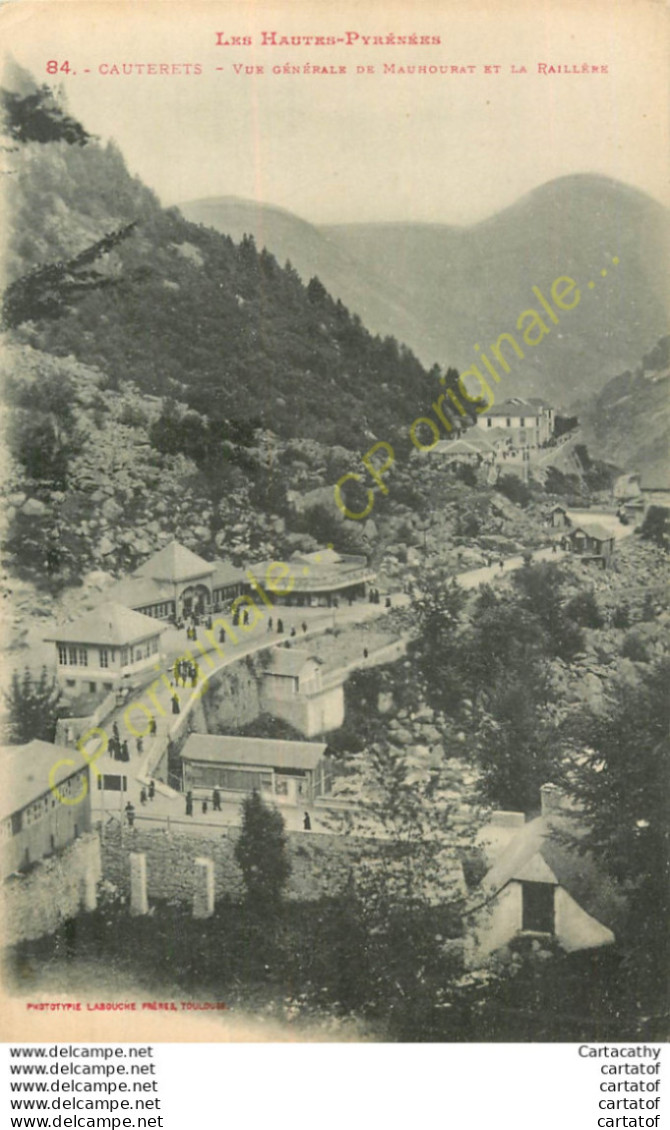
(145, 795)
(216, 803)
(148, 794)
(119, 748)
(185, 669)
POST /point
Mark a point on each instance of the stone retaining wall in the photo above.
(320, 864)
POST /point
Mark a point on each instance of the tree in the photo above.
(38, 117)
(33, 707)
(515, 744)
(540, 587)
(618, 771)
(51, 290)
(583, 609)
(261, 855)
(436, 651)
(514, 489)
(656, 526)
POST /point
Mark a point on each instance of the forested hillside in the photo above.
(182, 310)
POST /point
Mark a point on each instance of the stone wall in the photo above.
(320, 864)
(56, 888)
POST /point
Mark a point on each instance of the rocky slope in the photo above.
(629, 421)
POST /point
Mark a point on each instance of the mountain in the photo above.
(450, 288)
(628, 423)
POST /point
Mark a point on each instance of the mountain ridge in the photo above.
(442, 287)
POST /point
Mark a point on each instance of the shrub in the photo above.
(621, 616)
(514, 489)
(583, 609)
(633, 648)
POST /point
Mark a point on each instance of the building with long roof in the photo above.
(285, 771)
(45, 803)
(320, 579)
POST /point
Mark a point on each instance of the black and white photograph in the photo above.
(335, 521)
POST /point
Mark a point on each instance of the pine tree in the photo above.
(620, 776)
(33, 707)
(261, 855)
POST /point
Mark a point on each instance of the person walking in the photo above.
(140, 745)
(152, 726)
(222, 635)
(152, 790)
(125, 752)
(189, 804)
(306, 822)
(130, 814)
(269, 628)
(143, 796)
(176, 709)
(216, 800)
(204, 807)
(280, 627)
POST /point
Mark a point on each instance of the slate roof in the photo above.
(593, 530)
(225, 573)
(515, 406)
(547, 850)
(109, 623)
(139, 592)
(175, 563)
(457, 447)
(26, 772)
(231, 750)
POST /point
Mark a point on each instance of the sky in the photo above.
(364, 146)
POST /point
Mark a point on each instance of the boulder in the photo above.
(33, 508)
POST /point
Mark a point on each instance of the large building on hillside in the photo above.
(521, 423)
(46, 802)
(175, 583)
(109, 647)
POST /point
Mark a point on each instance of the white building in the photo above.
(524, 423)
(107, 648)
(540, 886)
(293, 689)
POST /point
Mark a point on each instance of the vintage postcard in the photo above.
(335, 521)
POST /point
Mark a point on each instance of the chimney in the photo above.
(552, 800)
